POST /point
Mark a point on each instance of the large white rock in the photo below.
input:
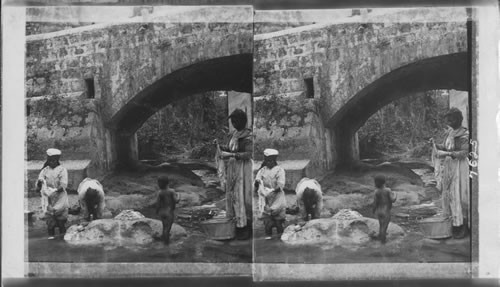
(120, 232)
(351, 233)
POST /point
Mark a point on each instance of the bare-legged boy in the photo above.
(382, 205)
(165, 206)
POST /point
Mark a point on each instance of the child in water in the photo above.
(382, 205)
(165, 206)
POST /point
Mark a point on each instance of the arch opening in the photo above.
(231, 73)
(445, 72)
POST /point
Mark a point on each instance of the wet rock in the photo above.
(176, 174)
(128, 184)
(359, 178)
(144, 180)
(132, 201)
(215, 242)
(347, 214)
(357, 201)
(421, 210)
(402, 215)
(190, 195)
(346, 233)
(431, 241)
(410, 194)
(350, 201)
(129, 215)
(347, 185)
(405, 198)
(398, 173)
(221, 204)
(408, 187)
(203, 212)
(120, 232)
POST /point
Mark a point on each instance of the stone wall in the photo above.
(369, 51)
(58, 64)
(124, 59)
(68, 127)
(283, 111)
(302, 76)
(283, 123)
(340, 60)
(345, 58)
(92, 72)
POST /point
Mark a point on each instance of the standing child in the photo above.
(165, 206)
(382, 205)
(55, 177)
(269, 183)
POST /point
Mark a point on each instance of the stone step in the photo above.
(77, 171)
(294, 171)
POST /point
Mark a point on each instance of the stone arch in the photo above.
(440, 72)
(223, 73)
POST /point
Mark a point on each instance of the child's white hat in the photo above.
(53, 151)
(270, 151)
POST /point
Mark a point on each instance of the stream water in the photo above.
(197, 247)
(413, 248)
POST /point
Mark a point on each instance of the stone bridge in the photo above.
(316, 85)
(90, 88)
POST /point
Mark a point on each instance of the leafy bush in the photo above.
(185, 128)
(404, 126)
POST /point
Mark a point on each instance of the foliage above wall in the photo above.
(185, 128)
(404, 126)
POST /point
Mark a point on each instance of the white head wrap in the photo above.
(270, 151)
(53, 151)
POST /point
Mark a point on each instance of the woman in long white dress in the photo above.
(455, 173)
(237, 156)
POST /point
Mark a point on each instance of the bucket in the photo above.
(436, 227)
(219, 229)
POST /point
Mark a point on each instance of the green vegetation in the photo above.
(402, 128)
(185, 128)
